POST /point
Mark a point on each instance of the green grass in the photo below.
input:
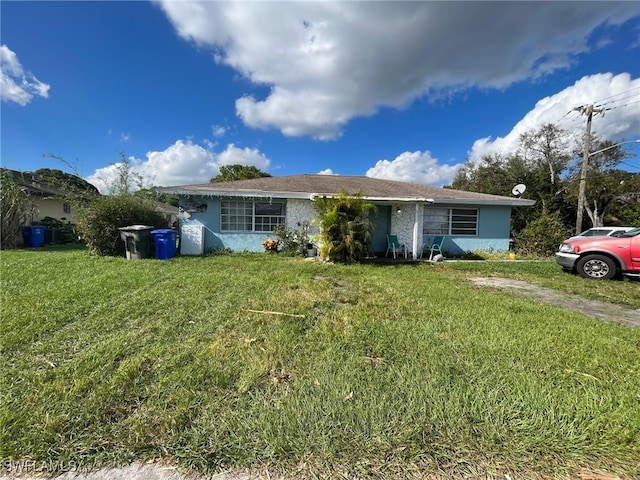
(548, 274)
(392, 370)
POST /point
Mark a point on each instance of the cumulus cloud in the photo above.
(184, 162)
(16, 84)
(328, 62)
(620, 95)
(243, 156)
(414, 167)
(326, 171)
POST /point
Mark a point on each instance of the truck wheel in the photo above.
(598, 267)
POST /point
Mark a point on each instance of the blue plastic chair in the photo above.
(436, 246)
(395, 247)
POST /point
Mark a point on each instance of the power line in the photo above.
(632, 166)
(616, 94)
(617, 100)
(625, 105)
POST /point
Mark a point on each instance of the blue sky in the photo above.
(405, 91)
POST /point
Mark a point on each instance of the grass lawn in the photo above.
(378, 371)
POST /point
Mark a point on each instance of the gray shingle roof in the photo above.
(303, 186)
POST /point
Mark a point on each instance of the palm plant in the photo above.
(346, 229)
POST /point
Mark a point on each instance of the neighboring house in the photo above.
(46, 200)
(240, 215)
(169, 211)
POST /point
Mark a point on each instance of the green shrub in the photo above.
(346, 229)
(630, 216)
(61, 232)
(99, 220)
(293, 242)
(542, 236)
(15, 210)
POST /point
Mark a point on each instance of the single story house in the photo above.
(46, 200)
(169, 211)
(240, 215)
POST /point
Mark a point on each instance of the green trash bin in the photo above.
(137, 241)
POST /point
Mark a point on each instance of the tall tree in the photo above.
(547, 148)
(229, 173)
(606, 185)
(66, 183)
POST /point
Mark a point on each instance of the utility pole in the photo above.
(587, 110)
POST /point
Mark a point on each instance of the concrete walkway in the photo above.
(591, 308)
(135, 471)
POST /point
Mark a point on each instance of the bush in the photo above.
(15, 210)
(542, 236)
(293, 242)
(99, 220)
(60, 232)
(346, 229)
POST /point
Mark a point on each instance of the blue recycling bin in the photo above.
(33, 236)
(165, 243)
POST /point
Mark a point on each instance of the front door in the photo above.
(382, 222)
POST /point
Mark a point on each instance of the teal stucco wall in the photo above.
(214, 239)
(494, 223)
(493, 227)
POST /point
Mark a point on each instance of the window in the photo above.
(450, 221)
(66, 207)
(248, 216)
(268, 216)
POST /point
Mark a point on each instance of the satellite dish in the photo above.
(519, 189)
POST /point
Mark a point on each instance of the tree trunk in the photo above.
(597, 218)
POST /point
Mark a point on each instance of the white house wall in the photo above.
(50, 207)
(300, 211)
(404, 223)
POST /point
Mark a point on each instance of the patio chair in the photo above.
(395, 247)
(436, 246)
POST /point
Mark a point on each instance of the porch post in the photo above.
(414, 250)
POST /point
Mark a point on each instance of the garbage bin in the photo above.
(33, 236)
(50, 236)
(165, 243)
(137, 241)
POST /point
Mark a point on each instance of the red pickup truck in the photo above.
(602, 257)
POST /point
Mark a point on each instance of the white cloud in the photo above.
(218, 131)
(616, 92)
(125, 137)
(243, 156)
(16, 85)
(328, 62)
(326, 171)
(414, 167)
(181, 163)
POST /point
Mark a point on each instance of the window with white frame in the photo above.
(250, 216)
(450, 221)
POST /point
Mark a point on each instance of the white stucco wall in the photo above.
(51, 207)
(404, 223)
(300, 211)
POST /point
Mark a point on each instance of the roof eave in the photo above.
(207, 192)
(233, 193)
(484, 201)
